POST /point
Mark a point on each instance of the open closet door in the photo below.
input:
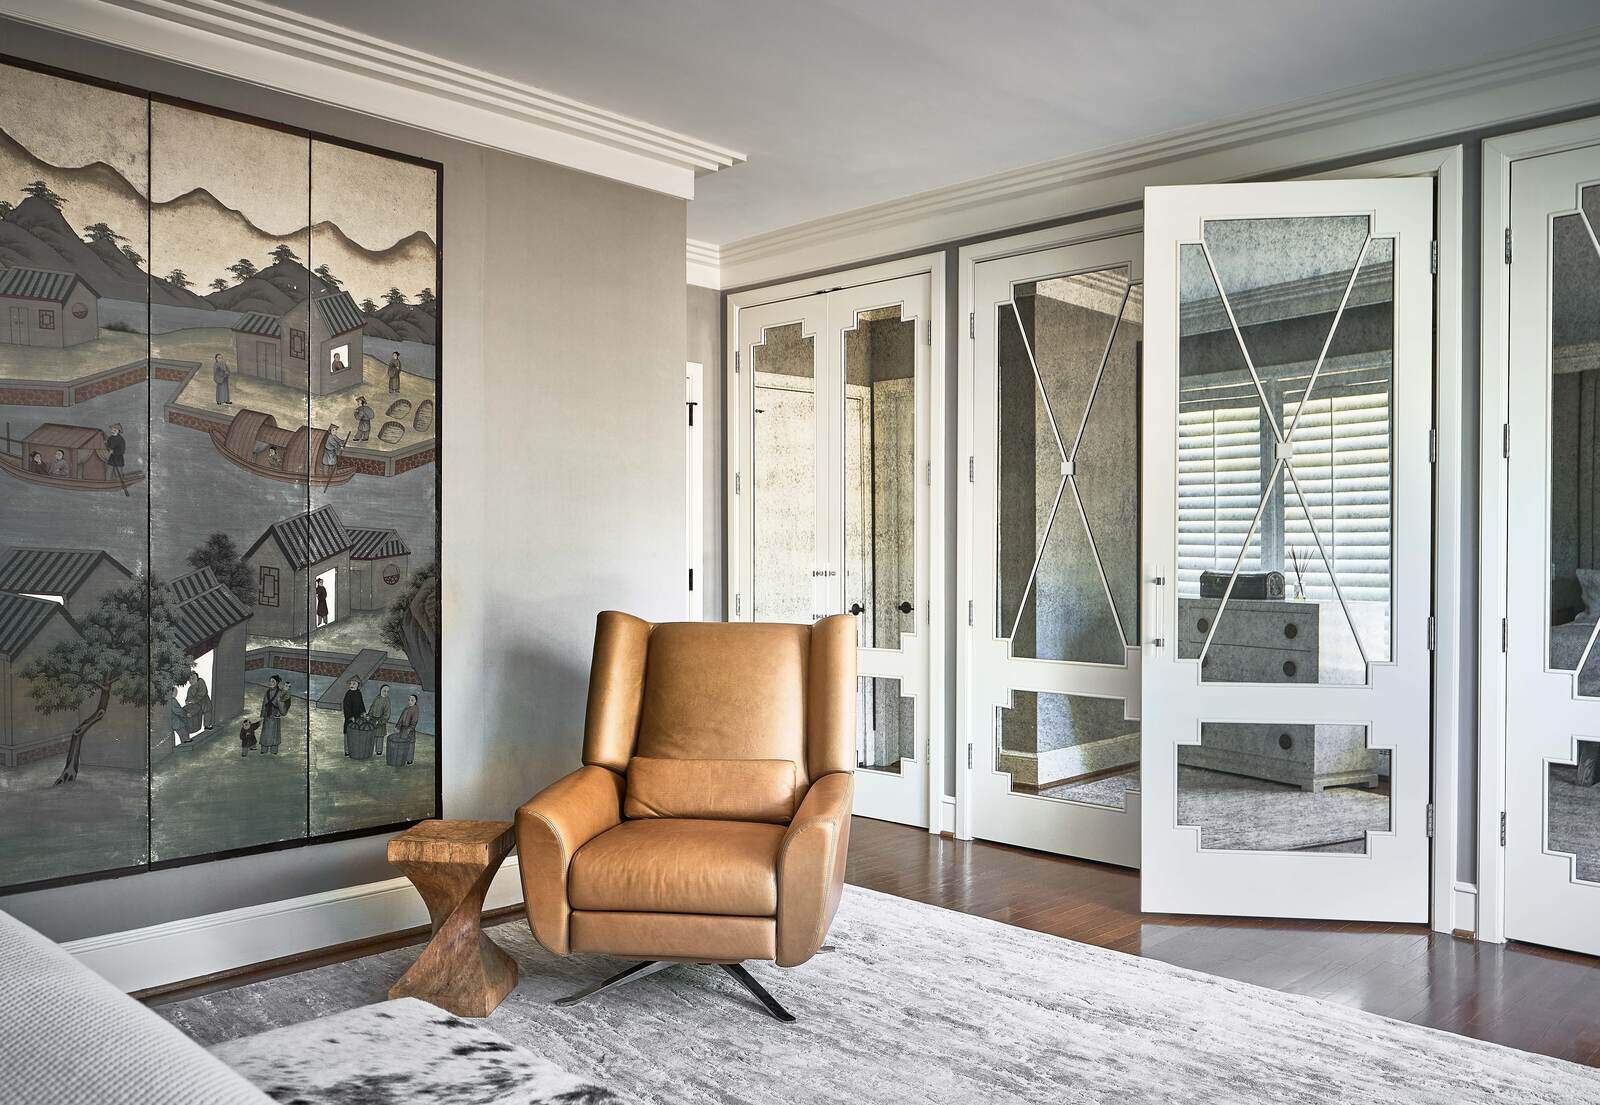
(1287, 517)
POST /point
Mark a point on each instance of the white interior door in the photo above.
(1287, 507)
(1053, 683)
(1552, 757)
(837, 518)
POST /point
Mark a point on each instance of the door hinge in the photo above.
(735, 360)
(929, 331)
(1433, 633)
(972, 324)
(928, 470)
(737, 483)
(1505, 440)
(738, 603)
(1430, 820)
(1508, 245)
(1502, 828)
(1433, 258)
(969, 611)
(691, 579)
(1433, 446)
(1505, 632)
(969, 755)
(972, 469)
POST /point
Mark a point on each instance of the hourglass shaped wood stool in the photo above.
(451, 863)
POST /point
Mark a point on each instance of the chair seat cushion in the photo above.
(665, 865)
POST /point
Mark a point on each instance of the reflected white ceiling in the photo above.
(838, 105)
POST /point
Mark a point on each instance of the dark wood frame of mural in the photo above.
(438, 484)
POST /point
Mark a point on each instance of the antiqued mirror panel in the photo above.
(1068, 355)
(1070, 747)
(1285, 480)
(1574, 457)
(1572, 810)
(885, 725)
(784, 478)
(880, 437)
(1283, 787)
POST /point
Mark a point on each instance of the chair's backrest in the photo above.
(721, 691)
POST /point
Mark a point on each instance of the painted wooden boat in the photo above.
(250, 436)
(18, 467)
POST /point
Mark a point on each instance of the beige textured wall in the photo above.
(564, 336)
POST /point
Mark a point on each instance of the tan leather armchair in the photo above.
(710, 820)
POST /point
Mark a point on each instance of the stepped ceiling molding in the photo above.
(315, 59)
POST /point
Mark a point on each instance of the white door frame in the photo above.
(969, 258)
(931, 264)
(695, 488)
(1453, 900)
(1495, 286)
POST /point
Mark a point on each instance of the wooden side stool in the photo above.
(451, 863)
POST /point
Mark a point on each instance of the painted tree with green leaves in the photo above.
(180, 279)
(39, 190)
(220, 284)
(100, 232)
(243, 269)
(325, 274)
(283, 255)
(126, 649)
(368, 307)
(394, 297)
(221, 555)
(426, 297)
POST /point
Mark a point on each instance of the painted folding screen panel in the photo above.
(74, 466)
(230, 530)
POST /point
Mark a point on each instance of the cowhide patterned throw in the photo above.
(403, 1052)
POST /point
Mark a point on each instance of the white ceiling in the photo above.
(840, 105)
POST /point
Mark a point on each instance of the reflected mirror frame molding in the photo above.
(919, 601)
(1281, 436)
(1133, 278)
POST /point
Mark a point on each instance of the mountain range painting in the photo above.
(219, 447)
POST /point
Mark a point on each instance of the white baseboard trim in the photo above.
(1466, 908)
(194, 947)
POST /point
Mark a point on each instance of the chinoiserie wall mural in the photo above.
(219, 533)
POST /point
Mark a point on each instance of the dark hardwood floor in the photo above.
(1515, 994)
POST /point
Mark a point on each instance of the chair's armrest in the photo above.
(811, 867)
(551, 826)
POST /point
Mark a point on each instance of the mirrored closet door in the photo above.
(1287, 517)
(1053, 667)
(830, 503)
(1552, 755)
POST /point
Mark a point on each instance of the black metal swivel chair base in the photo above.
(650, 967)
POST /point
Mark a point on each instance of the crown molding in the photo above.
(313, 59)
(1550, 77)
(705, 264)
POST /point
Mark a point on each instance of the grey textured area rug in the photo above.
(921, 1004)
(1237, 813)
